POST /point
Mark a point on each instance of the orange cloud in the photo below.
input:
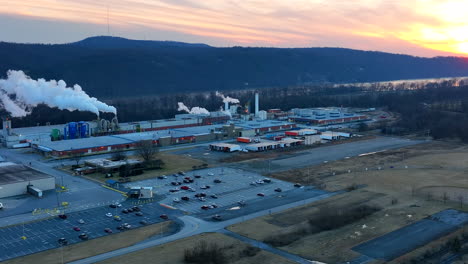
(435, 26)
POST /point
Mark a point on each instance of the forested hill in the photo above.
(115, 67)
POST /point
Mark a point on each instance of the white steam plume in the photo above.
(195, 110)
(227, 99)
(19, 94)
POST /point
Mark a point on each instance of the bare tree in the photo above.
(461, 198)
(76, 157)
(444, 197)
(147, 150)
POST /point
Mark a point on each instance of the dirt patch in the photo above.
(93, 247)
(236, 251)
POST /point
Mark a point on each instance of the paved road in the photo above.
(266, 247)
(194, 226)
(318, 155)
(81, 193)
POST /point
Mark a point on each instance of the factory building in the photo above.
(225, 147)
(120, 142)
(24, 137)
(271, 145)
(15, 179)
(324, 116)
(254, 128)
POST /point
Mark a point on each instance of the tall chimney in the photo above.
(226, 106)
(256, 103)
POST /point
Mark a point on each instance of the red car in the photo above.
(76, 229)
(164, 216)
(184, 188)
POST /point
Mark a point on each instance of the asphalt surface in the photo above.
(327, 153)
(194, 226)
(44, 235)
(236, 185)
(408, 238)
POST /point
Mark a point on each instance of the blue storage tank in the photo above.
(72, 130)
(83, 129)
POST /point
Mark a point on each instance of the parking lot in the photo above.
(43, 235)
(236, 185)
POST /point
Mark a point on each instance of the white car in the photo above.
(109, 215)
(1, 206)
(176, 200)
(81, 221)
(210, 174)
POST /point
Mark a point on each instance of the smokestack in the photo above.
(226, 106)
(6, 127)
(256, 103)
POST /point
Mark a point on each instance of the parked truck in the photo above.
(35, 191)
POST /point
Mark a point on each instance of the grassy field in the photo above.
(411, 184)
(93, 247)
(173, 164)
(173, 253)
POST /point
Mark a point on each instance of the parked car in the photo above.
(241, 203)
(200, 195)
(164, 216)
(176, 200)
(127, 226)
(201, 199)
(113, 206)
(136, 208)
(278, 190)
(117, 218)
(139, 214)
(217, 181)
(214, 196)
(120, 227)
(259, 182)
(181, 173)
(63, 216)
(143, 222)
(76, 228)
(173, 190)
(125, 211)
(213, 205)
(108, 230)
(267, 180)
(129, 210)
(81, 221)
(184, 187)
(62, 241)
(297, 185)
(260, 194)
(162, 177)
(216, 217)
(185, 198)
(204, 187)
(197, 176)
(83, 236)
(109, 215)
(191, 189)
(205, 207)
(210, 174)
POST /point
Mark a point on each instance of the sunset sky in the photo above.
(417, 27)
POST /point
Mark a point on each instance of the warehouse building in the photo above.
(15, 179)
(24, 137)
(324, 116)
(254, 128)
(121, 142)
(225, 147)
(270, 145)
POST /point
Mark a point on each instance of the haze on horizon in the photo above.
(416, 27)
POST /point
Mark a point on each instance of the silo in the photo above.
(72, 130)
(83, 128)
(55, 134)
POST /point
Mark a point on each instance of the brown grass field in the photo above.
(411, 184)
(173, 253)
